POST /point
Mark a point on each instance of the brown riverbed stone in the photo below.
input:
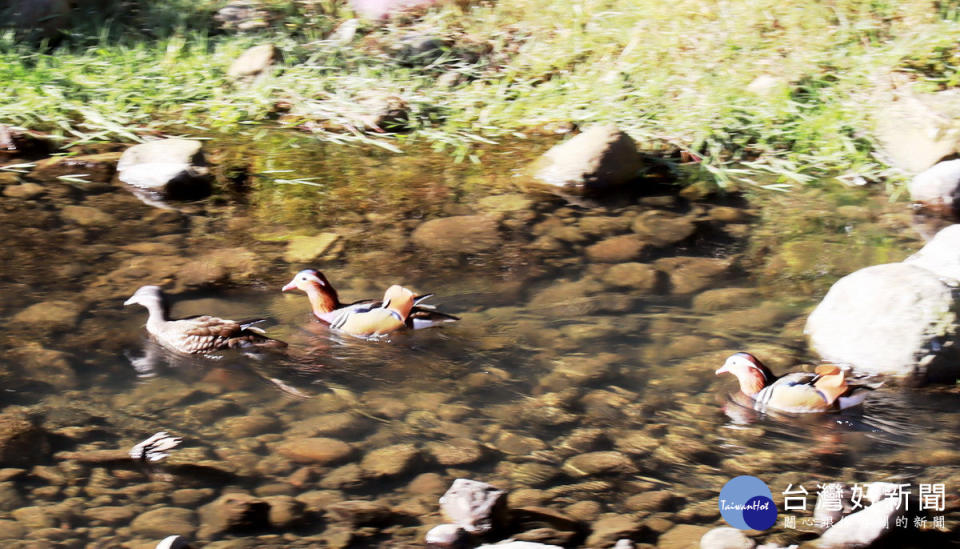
(636, 276)
(87, 216)
(248, 426)
(111, 514)
(616, 249)
(594, 463)
(458, 234)
(165, 521)
(720, 299)
(319, 450)
(24, 191)
(22, 441)
(55, 315)
(391, 460)
(611, 528)
(456, 451)
(691, 274)
(11, 529)
(661, 228)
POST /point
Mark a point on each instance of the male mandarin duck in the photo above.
(825, 389)
(324, 300)
(198, 334)
(374, 320)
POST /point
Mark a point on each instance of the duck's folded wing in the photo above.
(793, 393)
(374, 322)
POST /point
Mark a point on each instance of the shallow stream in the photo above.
(580, 377)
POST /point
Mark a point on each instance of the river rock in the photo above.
(596, 463)
(22, 441)
(391, 461)
(111, 514)
(475, 506)
(285, 511)
(248, 426)
(462, 233)
(318, 450)
(164, 521)
(692, 274)
(456, 451)
(11, 529)
(663, 228)
(19, 142)
(169, 168)
(863, 528)
(721, 299)
(609, 529)
(24, 191)
(253, 62)
(34, 517)
(893, 319)
(49, 315)
(726, 538)
(306, 249)
(598, 159)
(616, 249)
(97, 168)
(234, 512)
(917, 130)
(941, 255)
(938, 188)
(359, 512)
(86, 216)
(637, 276)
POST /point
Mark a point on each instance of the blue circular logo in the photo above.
(746, 503)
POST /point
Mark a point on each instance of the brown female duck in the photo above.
(324, 300)
(199, 334)
(823, 390)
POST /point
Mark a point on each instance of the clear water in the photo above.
(547, 351)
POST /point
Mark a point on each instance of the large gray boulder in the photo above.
(938, 188)
(917, 130)
(599, 158)
(895, 319)
(168, 169)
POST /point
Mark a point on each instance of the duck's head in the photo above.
(146, 296)
(307, 279)
(750, 372)
(399, 299)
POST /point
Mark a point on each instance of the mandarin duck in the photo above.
(374, 320)
(198, 334)
(324, 300)
(823, 390)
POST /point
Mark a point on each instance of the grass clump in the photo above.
(758, 88)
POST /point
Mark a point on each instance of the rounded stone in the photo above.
(165, 521)
(318, 450)
(458, 234)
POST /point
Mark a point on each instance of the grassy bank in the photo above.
(675, 71)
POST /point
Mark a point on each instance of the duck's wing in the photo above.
(204, 334)
(373, 322)
(793, 393)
